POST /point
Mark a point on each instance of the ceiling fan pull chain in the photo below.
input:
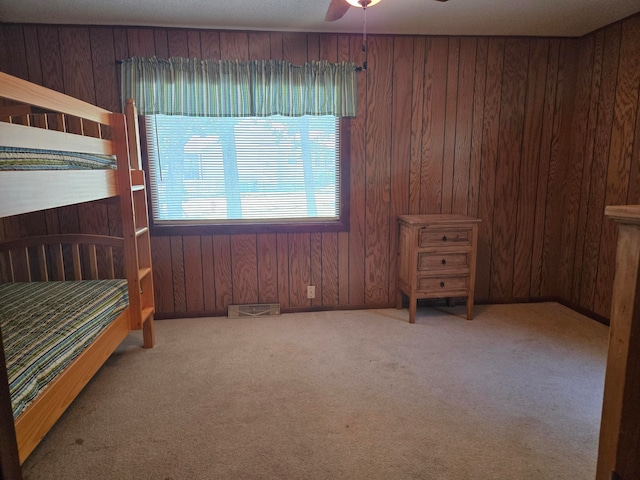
(365, 48)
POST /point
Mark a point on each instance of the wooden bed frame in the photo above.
(36, 117)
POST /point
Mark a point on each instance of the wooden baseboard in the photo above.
(421, 303)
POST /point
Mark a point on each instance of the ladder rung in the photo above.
(143, 272)
(137, 179)
(142, 231)
(146, 313)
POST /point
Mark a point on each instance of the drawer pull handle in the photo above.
(441, 284)
(444, 238)
(444, 262)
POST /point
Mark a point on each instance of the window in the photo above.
(246, 173)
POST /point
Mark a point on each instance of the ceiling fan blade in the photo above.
(336, 10)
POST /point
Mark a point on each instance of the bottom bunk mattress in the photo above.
(45, 325)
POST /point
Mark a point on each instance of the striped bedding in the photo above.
(30, 159)
(45, 325)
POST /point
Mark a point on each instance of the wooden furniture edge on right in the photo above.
(620, 424)
(436, 258)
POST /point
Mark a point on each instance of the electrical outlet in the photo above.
(311, 292)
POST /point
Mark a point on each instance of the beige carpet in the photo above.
(514, 394)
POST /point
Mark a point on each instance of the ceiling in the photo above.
(563, 18)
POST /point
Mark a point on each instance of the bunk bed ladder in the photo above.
(136, 232)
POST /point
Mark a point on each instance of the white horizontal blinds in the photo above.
(244, 169)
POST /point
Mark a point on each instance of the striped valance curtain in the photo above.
(231, 88)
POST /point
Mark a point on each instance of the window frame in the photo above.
(283, 226)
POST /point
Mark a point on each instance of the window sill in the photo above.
(231, 229)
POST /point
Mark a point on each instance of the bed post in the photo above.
(9, 459)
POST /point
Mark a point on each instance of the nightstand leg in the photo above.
(399, 299)
(469, 308)
(413, 305)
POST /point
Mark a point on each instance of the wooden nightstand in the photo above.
(437, 258)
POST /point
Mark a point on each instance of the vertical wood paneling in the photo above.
(557, 170)
(276, 46)
(76, 63)
(294, 48)
(193, 258)
(15, 51)
(589, 138)
(208, 273)
(489, 155)
(464, 125)
(142, 42)
(282, 241)
(259, 46)
(528, 180)
(512, 106)
(103, 58)
(299, 269)
(178, 43)
(357, 188)
(633, 197)
(178, 274)
(32, 54)
(602, 138)
(569, 176)
(579, 161)
(328, 47)
(377, 188)
(50, 59)
(121, 49)
(316, 266)
(475, 161)
(162, 276)
(543, 169)
(433, 120)
(244, 272)
(620, 156)
(234, 45)
(401, 123)
(417, 112)
(222, 271)
(161, 43)
(210, 44)
(193, 44)
(484, 126)
(330, 272)
(267, 268)
(5, 62)
(451, 108)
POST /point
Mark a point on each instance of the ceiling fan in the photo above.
(337, 8)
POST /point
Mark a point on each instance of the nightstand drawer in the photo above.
(443, 285)
(442, 237)
(443, 261)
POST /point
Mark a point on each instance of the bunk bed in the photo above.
(36, 122)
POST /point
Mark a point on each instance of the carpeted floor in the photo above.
(514, 394)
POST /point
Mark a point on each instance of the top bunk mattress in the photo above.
(12, 158)
(46, 325)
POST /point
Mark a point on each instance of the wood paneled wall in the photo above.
(479, 126)
(604, 165)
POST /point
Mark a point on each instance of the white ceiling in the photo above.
(456, 17)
